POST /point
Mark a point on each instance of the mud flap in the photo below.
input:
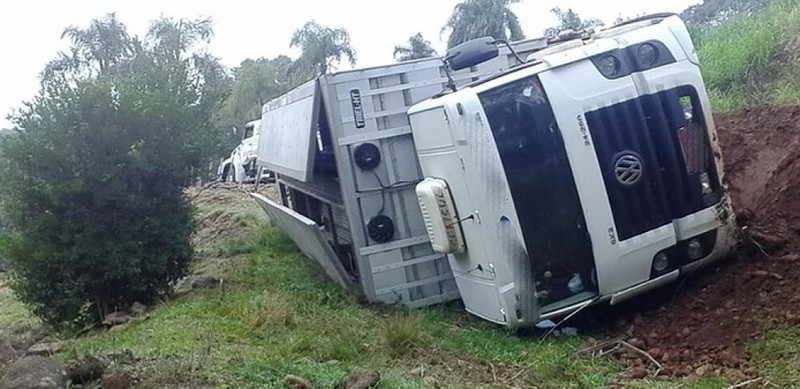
(305, 234)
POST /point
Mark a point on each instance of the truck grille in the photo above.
(673, 153)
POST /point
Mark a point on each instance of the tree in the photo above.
(254, 83)
(570, 20)
(416, 48)
(93, 177)
(322, 48)
(478, 18)
(713, 12)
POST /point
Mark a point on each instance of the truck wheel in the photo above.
(231, 175)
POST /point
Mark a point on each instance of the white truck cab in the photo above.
(241, 165)
(589, 173)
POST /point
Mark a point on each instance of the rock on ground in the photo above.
(86, 370)
(35, 372)
(116, 318)
(361, 379)
(296, 382)
(117, 381)
(46, 348)
(138, 309)
(16, 339)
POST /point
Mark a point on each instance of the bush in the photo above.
(93, 180)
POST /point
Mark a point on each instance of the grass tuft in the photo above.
(404, 332)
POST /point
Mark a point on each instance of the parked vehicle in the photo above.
(588, 173)
(241, 165)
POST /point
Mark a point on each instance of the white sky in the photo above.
(30, 30)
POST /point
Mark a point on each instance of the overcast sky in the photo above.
(30, 30)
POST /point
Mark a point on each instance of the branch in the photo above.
(748, 382)
(642, 352)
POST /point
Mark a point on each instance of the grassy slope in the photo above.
(745, 60)
(279, 316)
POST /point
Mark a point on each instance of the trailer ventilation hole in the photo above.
(367, 156)
(380, 228)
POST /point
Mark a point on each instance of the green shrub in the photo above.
(93, 180)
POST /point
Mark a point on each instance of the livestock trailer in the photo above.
(346, 169)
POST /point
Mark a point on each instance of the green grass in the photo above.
(778, 357)
(280, 315)
(11, 310)
(743, 59)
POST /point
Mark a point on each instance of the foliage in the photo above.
(748, 59)
(416, 48)
(255, 83)
(322, 48)
(478, 18)
(714, 12)
(570, 20)
(92, 182)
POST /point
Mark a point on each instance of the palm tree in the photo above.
(477, 18)
(416, 48)
(173, 38)
(98, 48)
(322, 47)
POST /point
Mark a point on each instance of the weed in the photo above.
(404, 332)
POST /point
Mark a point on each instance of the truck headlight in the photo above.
(660, 262)
(648, 55)
(694, 249)
(609, 66)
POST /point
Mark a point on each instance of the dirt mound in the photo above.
(709, 323)
(224, 212)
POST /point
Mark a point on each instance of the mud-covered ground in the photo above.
(707, 321)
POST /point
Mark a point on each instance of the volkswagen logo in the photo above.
(628, 169)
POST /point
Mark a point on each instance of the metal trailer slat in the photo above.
(405, 269)
(305, 233)
(386, 94)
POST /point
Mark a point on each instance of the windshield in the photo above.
(543, 188)
(248, 131)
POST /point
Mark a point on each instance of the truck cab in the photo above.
(241, 165)
(589, 173)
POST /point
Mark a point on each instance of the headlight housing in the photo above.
(609, 66)
(647, 55)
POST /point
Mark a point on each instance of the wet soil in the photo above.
(705, 322)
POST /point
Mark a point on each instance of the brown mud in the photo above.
(705, 322)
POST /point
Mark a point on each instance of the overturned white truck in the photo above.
(588, 173)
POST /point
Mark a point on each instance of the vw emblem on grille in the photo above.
(628, 169)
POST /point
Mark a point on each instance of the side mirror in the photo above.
(234, 131)
(472, 53)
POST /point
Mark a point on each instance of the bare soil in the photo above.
(704, 324)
